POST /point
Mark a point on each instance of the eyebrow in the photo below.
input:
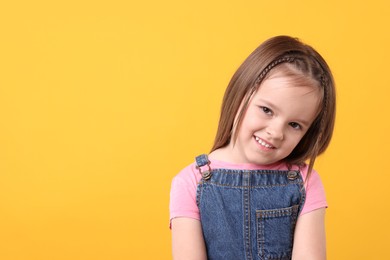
(273, 107)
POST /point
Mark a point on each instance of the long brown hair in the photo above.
(268, 56)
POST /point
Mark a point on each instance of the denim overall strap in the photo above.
(201, 160)
(249, 214)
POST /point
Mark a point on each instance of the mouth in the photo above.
(263, 143)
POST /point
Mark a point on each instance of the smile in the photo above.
(262, 143)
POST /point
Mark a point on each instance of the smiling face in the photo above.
(277, 117)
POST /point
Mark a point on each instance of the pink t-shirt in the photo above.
(184, 185)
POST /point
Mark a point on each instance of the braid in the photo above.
(272, 65)
(325, 103)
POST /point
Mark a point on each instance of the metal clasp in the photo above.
(206, 175)
(292, 175)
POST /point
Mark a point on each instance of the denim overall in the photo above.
(248, 214)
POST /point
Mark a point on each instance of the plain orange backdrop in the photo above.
(103, 102)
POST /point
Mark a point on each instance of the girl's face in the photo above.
(278, 116)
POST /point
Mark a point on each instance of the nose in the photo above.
(275, 131)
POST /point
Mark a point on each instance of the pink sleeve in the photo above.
(315, 193)
(183, 194)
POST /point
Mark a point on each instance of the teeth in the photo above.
(262, 142)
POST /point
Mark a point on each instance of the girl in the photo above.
(253, 196)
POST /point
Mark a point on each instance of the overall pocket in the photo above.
(275, 232)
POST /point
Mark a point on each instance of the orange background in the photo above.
(103, 102)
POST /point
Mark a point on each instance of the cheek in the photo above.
(248, 121)
(253, 124)
(296, 139)
(254, 117)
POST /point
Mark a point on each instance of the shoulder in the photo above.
(304, 171)
(312, 180)
(188, 175)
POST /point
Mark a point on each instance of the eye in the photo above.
(266, 110)
(295, 125)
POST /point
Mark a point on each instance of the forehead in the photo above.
(282, 87)
(286, 76)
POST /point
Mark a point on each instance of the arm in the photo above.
(309, 237)
(187, 239)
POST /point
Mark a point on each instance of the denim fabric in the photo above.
(249, 214)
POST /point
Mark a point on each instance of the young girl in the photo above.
(253, 196)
